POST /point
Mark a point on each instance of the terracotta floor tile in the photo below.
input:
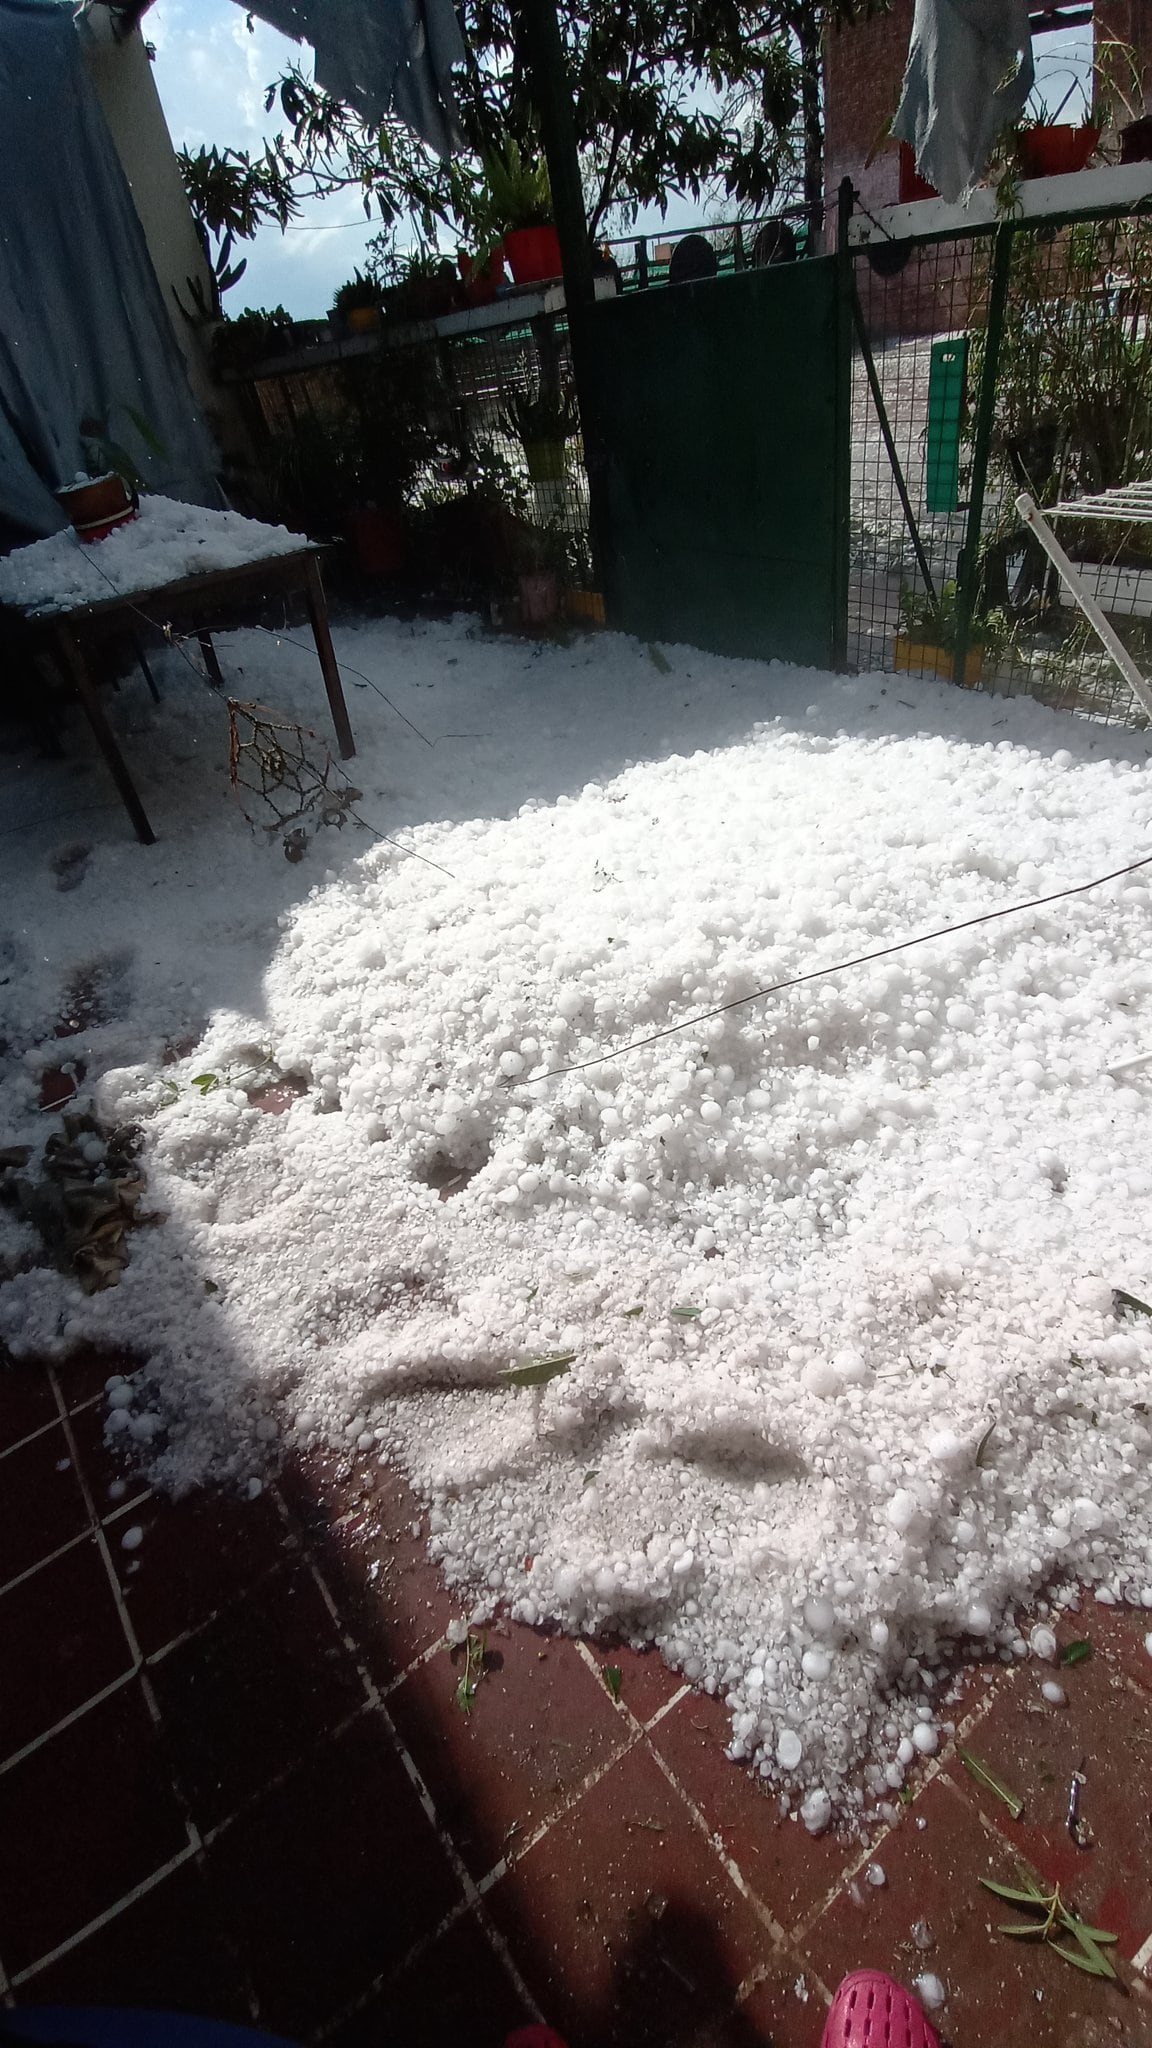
(246, 1698)
(786, 2008)
(624, 1921)
(26, 1399)
(1118, 1634)
(61, 1632)
(539, 1724)
(646, 1681)
(391, 1592)
(457, 1992)
(331, 1880)
(1035, 1748)
(41, 1505)
(198, 1556)
(83, 1819)
(166, 1950)
(789, 1870)
(999, 1991)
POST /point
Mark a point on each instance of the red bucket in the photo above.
(98, 505)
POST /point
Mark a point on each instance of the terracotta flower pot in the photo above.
(98, 505)
(362, 319)
(481, 282)
(539, 597)
(533, 254)
(912, 185)
(1055, 152)
(378, 539)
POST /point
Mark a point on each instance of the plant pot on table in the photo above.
(533, 254)
(362, 319)
(923, 657)
(481, 280)
(97, 505)
(1056, 152)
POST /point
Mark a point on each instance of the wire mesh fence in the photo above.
(965, 392)
(716, 249)
(451, 468)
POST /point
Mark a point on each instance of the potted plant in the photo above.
(543, 422)
(926, 644)
(106, 493)
(519, 197)
(1049, 148)
(238, 344)
(358, 304)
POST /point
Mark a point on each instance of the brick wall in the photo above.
(863, 73)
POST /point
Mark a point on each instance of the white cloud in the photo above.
(211, 73)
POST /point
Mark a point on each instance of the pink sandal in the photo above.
(870, 2010)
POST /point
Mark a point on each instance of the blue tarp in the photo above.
(84, 332)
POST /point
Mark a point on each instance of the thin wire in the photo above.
(173, 641)
(303, 645)
(945, 931)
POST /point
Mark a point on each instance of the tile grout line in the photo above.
(561, 1812)
(311, 1749)
(110, 1913)
(53, 1556)
(42, 1428)
(19, 1756)
(763, 1913)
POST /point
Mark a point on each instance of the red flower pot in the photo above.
(480, 285)
(912, 185)
(533, 254)
(98, 505)
(1056, 152)
(378, 539)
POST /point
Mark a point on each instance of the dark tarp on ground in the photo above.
(84, 332)
(381, 57)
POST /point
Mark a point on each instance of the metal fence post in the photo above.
(843, 402)
(969, 577)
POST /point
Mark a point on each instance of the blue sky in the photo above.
(211, 71)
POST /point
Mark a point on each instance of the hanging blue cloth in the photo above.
(969, 74)
(84, 331)
(381, 57)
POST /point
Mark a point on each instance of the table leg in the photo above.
(318, 613)
(76, 668)
(211, 663)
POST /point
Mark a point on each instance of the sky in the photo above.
(211, 72)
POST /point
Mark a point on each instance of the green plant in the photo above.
(360, 290)
(519, 191)
(250, 336)
(541, 415)
(1053, 1918)
(934, 622)
(103, 452)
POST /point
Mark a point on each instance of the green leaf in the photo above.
(983, 1444)
(1092, 1963)
(613, 1679)
(685, 1313)
(1015, 1898)
(987, 1777)
(589, 1478)
(1099, 1935)
(539, 1371)
(659, 659)
(1031, 1930)
(1076, 1653)
(1122, 1299)
(205, 1082)
(532, 1292)
(634, 1311)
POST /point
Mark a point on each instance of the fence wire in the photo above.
(1069, 368)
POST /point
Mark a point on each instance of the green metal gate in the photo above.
(716, 429)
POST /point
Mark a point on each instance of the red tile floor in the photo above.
(234, 1780)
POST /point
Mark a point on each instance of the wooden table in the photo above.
(199, 604)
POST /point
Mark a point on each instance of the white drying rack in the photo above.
(1126, 505)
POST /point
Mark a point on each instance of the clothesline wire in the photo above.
(945, 931)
